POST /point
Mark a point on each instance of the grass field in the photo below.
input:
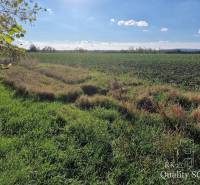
(99, 118)
(179, 69)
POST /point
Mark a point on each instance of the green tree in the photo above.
(12, 12)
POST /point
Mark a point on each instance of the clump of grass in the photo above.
(87, 102)
(29, 62)
(175, 118)
(115, 84)
(90, 89)
(106, 114)
(21, 90)
(72, 95)
(45, 95)
(169, 143)
(64, 73)
(118, 90)
(36, 84)
(146, 103)
(195, 99)
(196, 115)
(128, 110)
(176, 97)
(120, 94)
(178, 112)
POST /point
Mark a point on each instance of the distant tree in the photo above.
(11, 13)
(48, 49)
(80, 50)
(131, 49)
(33, 48)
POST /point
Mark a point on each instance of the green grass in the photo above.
(100, 139)
(52, 143)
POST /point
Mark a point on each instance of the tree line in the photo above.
(34, 48)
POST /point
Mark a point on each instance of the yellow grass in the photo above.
(32, 81)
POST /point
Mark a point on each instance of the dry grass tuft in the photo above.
(196, 115)
(45, 95)
(30, 80)
(183, 100)
(178, 112)
(128, 110)
(146, 103)
(114, 85)
(118, 90)
(87, 102)
(175, 118)
(72, 95)
(194, 98)
(66, 74)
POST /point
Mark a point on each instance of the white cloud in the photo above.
(132, 22)
(93, 45)
(145, 30)
(164, 29)
(199, 31)
(112, 20)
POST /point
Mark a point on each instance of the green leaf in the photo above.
(11, 32)
(8, 39)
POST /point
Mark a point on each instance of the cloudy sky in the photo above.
(117, 24)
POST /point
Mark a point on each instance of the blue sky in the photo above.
(174, 23)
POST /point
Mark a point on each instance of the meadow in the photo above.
(99, 118)
(178, 69)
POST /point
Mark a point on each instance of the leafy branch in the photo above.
(12, 12)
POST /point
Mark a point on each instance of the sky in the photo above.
(116, 24)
